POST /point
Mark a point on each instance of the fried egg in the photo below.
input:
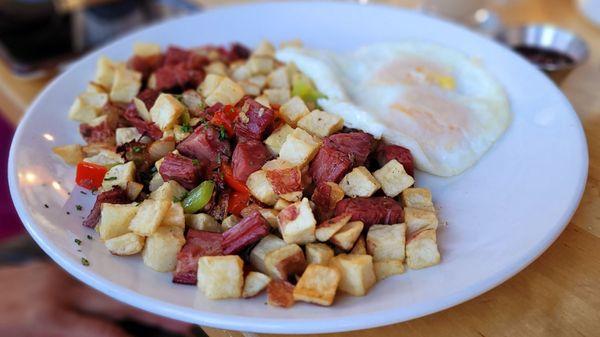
(435, 101)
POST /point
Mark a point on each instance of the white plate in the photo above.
(501, 214)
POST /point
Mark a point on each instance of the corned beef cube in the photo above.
(198, 243)
(181, 169)
(248, 157)
(206, 145)
(329, 165)
(357, 145)
(116, 195)
(385, 153)
(372, 210)
(255, 121)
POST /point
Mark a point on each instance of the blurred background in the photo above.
(40, 38)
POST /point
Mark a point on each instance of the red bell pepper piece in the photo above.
(90, 175)
(225, 117)
(235, 184)
(237, 202)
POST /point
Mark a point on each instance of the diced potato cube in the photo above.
(96, 88)
(360, 247)
(277, 138)
(417, 198)
(202, 222)
(115, 219)
(266, 245)
(229, 222)
(156, 182)
(357, 275)
(174, 216)
(263, 100)
(347, 235)
(277, 96)
(210, 84)
(105, 72)
(285, 261)
(318, 253)
(260, 65)
(278, 78)
(145, 49)
(227, 92)
(250, 88)
(321, 124)
(105, 158)
(422, 250)
(258, 80)
(280, 293)
(126, 135)
(169, 191)
(149, 216)
(126, 244)
(281, 204)
(328, 228)
(70, 154)
(133, 190)
(126, 85)
(239, 72)
(166, 111)
(393, 178)
(293, 110)
(387, 268)
(386, 242)
(217, 67)
(317, 285)
(221, 277)
(359, 183)
(254, 283)
(270, 215)
(299, 148)
(292, 196)
(119, 175)
(162, 246)
(180, 133)
(265, 48)
(261, 188)
(297, 223)
(87, 106)
(418, 219)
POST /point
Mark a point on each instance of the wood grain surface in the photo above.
(557, 295)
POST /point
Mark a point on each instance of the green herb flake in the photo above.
(222, 133)
(110, 178)
(196, 162)
(78, 207)
(89, 237)
(46, 205)
(186, 128)
(77, 241)
(136, 149)
(85, 262)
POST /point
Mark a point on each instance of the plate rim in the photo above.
(267, 325)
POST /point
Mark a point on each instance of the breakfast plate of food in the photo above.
(276, 168)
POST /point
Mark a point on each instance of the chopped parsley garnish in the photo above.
(46, 205)
(78, 207)
(219, 158)
(136, 149)
(222, 133)
(186, 128)
(68, 213)
(89, 237)
(178, 96)
(83, 192)
(110, 178)
(77, 241)
(85, 262)
(196, 162)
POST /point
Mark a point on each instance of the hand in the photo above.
(38, 299)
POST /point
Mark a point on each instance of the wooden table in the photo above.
(557, 295)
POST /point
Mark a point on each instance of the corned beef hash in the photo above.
(218, 165)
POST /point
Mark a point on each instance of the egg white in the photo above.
(440, 104)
